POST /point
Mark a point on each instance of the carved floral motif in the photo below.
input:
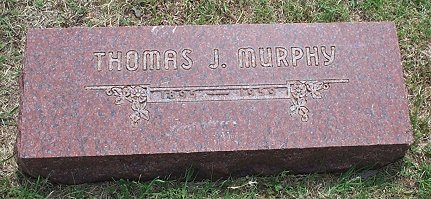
(300, 90)
(137, 95)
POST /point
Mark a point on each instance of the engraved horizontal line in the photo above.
(220, 88)
(101, 87)
(221, 99)
(236, 87)
(217, 87)
(217, 93)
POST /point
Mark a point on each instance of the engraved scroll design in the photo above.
(300, 90)
(137, 95)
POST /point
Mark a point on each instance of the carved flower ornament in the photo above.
(137, 95)
(300, 90)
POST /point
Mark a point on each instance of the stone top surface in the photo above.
(183, 89)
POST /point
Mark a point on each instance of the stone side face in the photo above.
(211, 165)
(228, 100)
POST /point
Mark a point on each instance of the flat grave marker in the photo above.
(224, 100)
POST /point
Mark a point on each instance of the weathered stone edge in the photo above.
(210, 165)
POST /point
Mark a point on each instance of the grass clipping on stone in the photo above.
(409, 177)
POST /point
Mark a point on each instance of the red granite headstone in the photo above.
(225, 100)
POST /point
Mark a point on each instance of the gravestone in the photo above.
(225, 100)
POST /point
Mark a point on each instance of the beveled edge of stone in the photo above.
(211, 165)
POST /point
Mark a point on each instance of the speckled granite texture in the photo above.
(227, 100)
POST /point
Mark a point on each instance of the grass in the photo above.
(407, 178)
